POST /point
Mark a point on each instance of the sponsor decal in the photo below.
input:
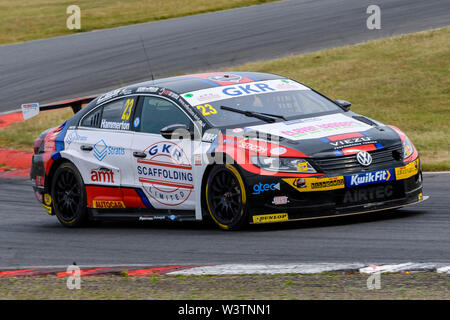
(123, 125)
(352, 142)
(237, 130)
(316, 184)
(160, 218)
(198, 159)
(102, 175)
(209, 137)
(361, 179)
(229, 91)
(167, 92)
(278, 151)
(259, 146)
(206, 97)
(267, 218)
(411, 169)
(314, 128)
(47, 199)
(166, 175)
(113, 94)
(246, 89)
(136, 122)
(107, 204)
(101, 150)
(302, 166)
(147, 89)
(368, 194)
(420, 196)
(30, 110)
(260, 187)
(280, 200)
(74, 136)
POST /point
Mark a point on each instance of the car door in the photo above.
(163, 167)
(102, 143)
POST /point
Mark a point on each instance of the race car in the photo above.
(236, 148)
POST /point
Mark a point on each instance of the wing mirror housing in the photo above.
(343, 104)
(177, 131)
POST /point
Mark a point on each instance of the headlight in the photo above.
(283, 164)
(408, 148)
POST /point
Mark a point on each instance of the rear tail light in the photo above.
(38, 143)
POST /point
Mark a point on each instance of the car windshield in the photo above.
(297, 101)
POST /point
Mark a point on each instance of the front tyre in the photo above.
(69, 196)
(225, 197)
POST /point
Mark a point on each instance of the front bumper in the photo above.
(278, 199)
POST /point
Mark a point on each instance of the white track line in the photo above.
(289, 268)
(306, 268)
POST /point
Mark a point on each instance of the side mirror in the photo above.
(343, 104)
(181, 131)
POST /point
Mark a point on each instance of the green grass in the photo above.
(36, 19)
(427, 285)
(402, 81)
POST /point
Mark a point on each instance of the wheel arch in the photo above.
(54, 166)
(226, 159)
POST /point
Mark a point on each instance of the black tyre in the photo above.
(226, 198)
(69, 196)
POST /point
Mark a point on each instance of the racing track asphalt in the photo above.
(91, 63)
(29, 237)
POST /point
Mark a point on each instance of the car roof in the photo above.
(199, 81)
(181, 84)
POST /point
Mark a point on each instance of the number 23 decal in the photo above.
(128, 108)
(207, 109)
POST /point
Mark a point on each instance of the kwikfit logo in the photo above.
(260, 187)
(368, 178)
(100, 150)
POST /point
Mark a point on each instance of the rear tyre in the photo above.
(69, 196)
(225, 197)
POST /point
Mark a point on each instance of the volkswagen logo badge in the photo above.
(364, 158)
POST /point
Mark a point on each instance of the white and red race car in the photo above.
(235, 147)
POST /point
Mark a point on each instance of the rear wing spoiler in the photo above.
(30, 110)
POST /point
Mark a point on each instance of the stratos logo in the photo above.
(260, 187)
(364, 158)
(101, 150)
(166, 175)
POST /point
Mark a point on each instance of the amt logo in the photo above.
(260, 187)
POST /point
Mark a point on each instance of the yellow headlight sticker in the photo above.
(104, 204)
(303, 166)
(268, 218)
(407, 171)
(316, 184)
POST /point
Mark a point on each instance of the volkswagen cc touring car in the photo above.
(234, 147)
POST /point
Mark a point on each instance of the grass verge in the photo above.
(403, 81)
(36, 19)
(424, 285)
